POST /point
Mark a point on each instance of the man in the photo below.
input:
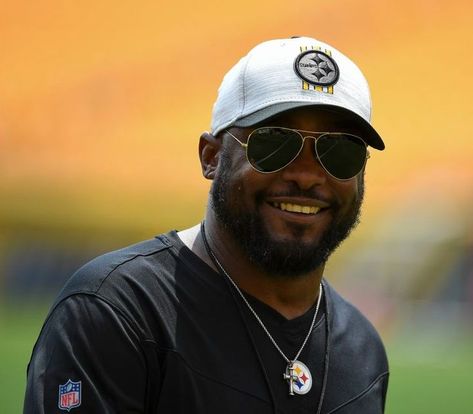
(233, 315)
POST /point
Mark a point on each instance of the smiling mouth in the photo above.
(296, 208)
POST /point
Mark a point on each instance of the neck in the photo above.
(290, 296)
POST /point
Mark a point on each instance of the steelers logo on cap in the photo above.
(316, 68)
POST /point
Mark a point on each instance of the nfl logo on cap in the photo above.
(70, 395)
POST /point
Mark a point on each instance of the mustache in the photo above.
(292, 190)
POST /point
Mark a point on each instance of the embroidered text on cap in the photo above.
(316, 68)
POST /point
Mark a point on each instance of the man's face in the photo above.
(254, 208)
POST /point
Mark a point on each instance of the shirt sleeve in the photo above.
(87, 358)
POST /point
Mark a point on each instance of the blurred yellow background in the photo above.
(102, 104)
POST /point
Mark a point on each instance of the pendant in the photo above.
(298, 377)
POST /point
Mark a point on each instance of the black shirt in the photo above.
(289, 335)
(153, 329)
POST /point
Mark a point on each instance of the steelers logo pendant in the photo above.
(298, 377)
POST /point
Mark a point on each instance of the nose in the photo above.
(305, 170)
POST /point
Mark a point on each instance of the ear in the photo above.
(209, 153)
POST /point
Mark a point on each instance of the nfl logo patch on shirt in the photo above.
(70, 395)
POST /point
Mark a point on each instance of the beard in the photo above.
(278, 258)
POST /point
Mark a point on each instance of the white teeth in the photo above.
(297, 208)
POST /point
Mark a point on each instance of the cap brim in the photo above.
(369, 134)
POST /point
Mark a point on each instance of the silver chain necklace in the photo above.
(297, 374)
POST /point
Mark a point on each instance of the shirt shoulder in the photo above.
(146, 283)
(131, 279)
(91, 276)
(346, 319)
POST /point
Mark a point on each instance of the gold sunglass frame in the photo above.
(301, 133)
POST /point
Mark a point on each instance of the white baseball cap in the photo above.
(283, 74)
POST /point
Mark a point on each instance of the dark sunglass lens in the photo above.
(270, 149)
(342, 155)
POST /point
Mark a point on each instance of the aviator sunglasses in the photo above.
(270, 149)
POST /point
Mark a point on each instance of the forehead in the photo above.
(315, 119)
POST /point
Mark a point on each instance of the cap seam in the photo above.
(244, 85)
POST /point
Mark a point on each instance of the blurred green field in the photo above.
(429, 377)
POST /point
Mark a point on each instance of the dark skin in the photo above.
(290, 296)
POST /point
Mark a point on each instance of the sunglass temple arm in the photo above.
(233, 136)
